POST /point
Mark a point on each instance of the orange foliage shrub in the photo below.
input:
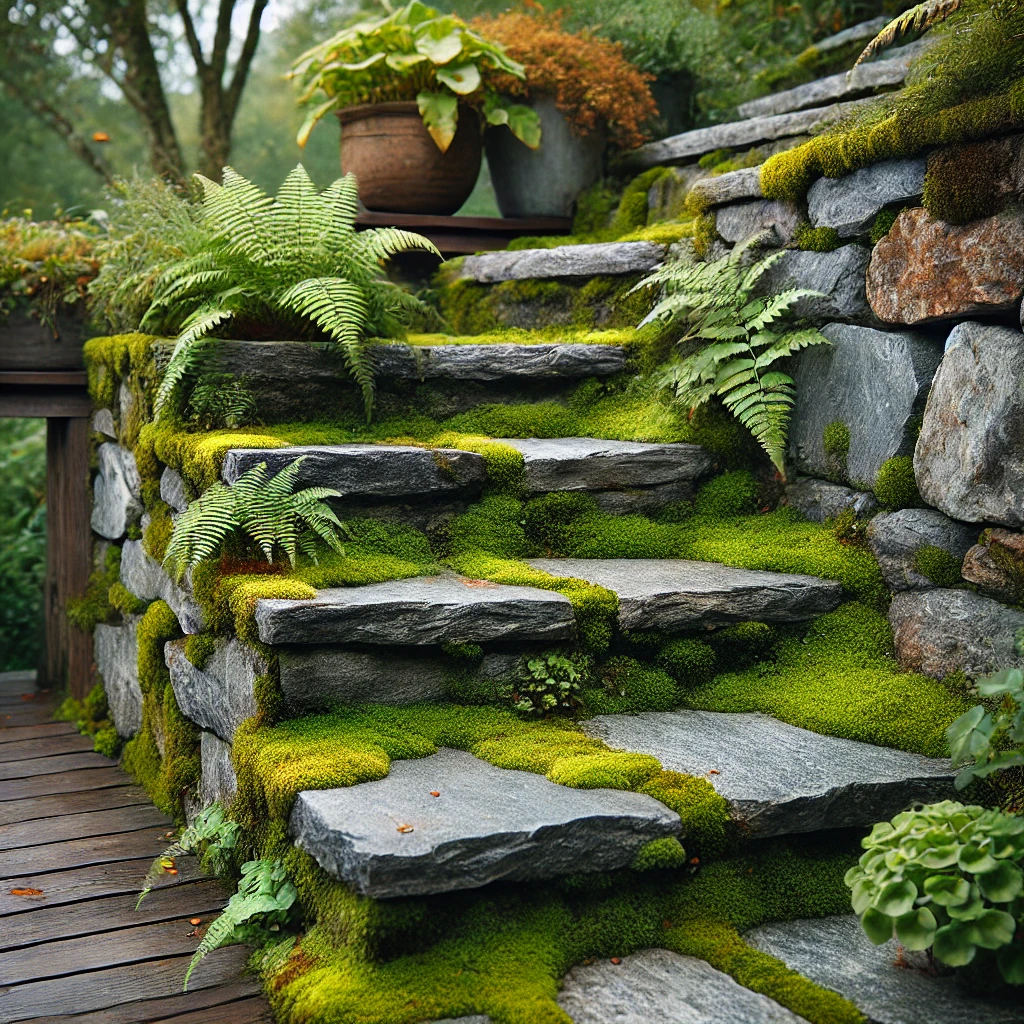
(589, 77)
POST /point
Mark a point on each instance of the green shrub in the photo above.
(992, 739)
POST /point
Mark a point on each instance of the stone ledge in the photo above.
(498, 362)
(592, 260)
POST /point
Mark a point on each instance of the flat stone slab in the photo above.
(593, 260)
(497, 362)
(838, 275)
(658, 986)
(368, 470)
(677, 594)
(850, 204)
(773, 220)
(220, 696)
(731, 187)
(116, 653)
(589, 464)
(889, 984)
(392, 838)
(420, 610)
(780, 779)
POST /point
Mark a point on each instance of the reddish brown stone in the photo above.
(926, 269)
(996, 565)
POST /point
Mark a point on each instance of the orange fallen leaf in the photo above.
(195, 920)
(616, 960)
(695, 861)
(666, 925)
(100, 137)
(171, 871)
(405, 828)
(26, 892)
(714, 771)
(435, 792)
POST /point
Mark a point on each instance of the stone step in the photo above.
(658, 986)
(677, 595)
(145, 578)
(858, 81)
(392, 837)
(693, 144)
(890, 984)
(597, 259)
(423, 610)
(780, 779)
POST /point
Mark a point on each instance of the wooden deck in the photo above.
(73, 826)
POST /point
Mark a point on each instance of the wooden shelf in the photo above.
(458, 236)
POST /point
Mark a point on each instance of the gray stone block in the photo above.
(896, 537)
(589, 464)
(116, 653)
(488, 824)
(658, 986)
(679, 595)
(218, 782)
(779, 779)
(368, 470)
(220, 696)
(144, 577)
(820, 500)
(677, 148)
(421, 610)
(172, 489)
(838, 275)
(117, 502)
(969, 459)
(593, 260)
(497, 362)
(942, 631)
(103, 423)
(850, 204)
(875, 382)
(888, 983)
(773, 219)
(731, 187)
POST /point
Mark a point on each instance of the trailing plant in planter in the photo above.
(730, 341)
(291, 267)
(416, 53)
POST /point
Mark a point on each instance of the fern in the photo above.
(261, 905)
(268, 511)
(210, 836)
(293, 266)
(728, 348)
(922, 16)
(221, 400)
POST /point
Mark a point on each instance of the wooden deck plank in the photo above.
(80, 826)
(153, 979)
(22, 750)
(10, 733)
(80, 781)
(118, 878)
(245, 1011)
(27, 715)
(125, 795)
(151, 1010)
(48, 924)
(76, 853)
(49, 765)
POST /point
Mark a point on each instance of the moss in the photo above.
(822, 239)
(841, 679)
(503, 951)
(737, 646)
(199, 648)
(94, 606)
(938, 565)
(628, 686)
(91, 717)
(660, 855)
(896, 485)
(158, 533)
(836, 441)
(594, 208)
(965, 183)
(883, 225)
(122, 359)
(124, 601)
(689, 661)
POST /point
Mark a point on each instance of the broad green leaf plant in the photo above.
(985, 741)
(265, 510)
(415, 53)
(293, 267)
(731, 341)
(948, 878)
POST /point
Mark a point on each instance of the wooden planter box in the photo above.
(27, 344)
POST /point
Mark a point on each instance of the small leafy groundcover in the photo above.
(946, 877)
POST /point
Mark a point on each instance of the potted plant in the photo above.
(410, 91)
(586, 94)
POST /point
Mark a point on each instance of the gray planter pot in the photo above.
(543, 182)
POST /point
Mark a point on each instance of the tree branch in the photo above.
(194, 45)
(245, 58)
(55, 120)
(222, 40)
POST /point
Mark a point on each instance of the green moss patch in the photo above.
(841, 679)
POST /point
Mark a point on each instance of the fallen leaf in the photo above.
(171, 871)
(616, 960)
(26, 892)
(695, 861)
(405, 828)
(478, 583)
(666, 925)
(714, 771)
(195, 920)
(100, 137)
(435, 792)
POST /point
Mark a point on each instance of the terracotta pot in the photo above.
(397, 164)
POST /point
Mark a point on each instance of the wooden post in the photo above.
(67, 651)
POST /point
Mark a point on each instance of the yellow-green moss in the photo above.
(883, 225)
(157, 534)
(660, 855)
(841, 679)
(822, 239)
(938, 565)
(836, 442)
(199, 648)
(122, 359)
(92, 718)
(94, 606)
(124, 601)
(896, 485)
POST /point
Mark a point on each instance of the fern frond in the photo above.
(918, 18)
(778, 306)
(200, 529)
(197, 327)
(383, 243)
(241, 214)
